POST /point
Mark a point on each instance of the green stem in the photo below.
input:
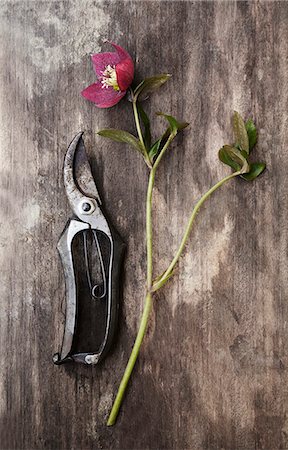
(161, 154)
(132, 360)
(167, 274)
(139, 131)
(149, 241)
(149, 238)
(148, 300)
(137, 122)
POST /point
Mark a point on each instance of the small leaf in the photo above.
(149, 85)
(154, 150)
(252, 133)
(255, 170)
(244, 154)
(240, 132)
(175, 126)
(146, 123)
(122, 136)
(232, 157)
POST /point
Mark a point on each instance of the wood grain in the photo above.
(213, 369)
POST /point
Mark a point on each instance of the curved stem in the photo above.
(132, 360)
(148, 300)
(168, 272)
(147, 307)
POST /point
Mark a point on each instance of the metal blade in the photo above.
(78, 177)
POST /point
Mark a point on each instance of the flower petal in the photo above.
(102, 60)
(120, 51)
(125, 73)
(121, 60)
(124, 68)
(102, 97)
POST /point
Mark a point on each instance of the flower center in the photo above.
(109, 78)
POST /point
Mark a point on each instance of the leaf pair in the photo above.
(233, 157)
(148, 151)
(236, 155)
(142, 91)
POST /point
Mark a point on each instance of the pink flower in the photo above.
(115, 71)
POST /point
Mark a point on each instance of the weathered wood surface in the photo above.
(213, 370)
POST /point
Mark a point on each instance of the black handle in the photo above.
(117, 254)
(64, 246)
(117, 250)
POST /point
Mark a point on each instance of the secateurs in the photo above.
(91, 252)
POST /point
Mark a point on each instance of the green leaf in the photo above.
(149, 85)
(255, 170)
(174, 125)
(252, 133)
(122, 136)
(154, 150)
(146, 122)
(240, 132)
(232, 157)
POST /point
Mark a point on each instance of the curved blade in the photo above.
(78, 179)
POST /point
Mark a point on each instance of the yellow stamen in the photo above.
(109, 78)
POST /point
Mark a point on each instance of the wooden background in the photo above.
(213, 369)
